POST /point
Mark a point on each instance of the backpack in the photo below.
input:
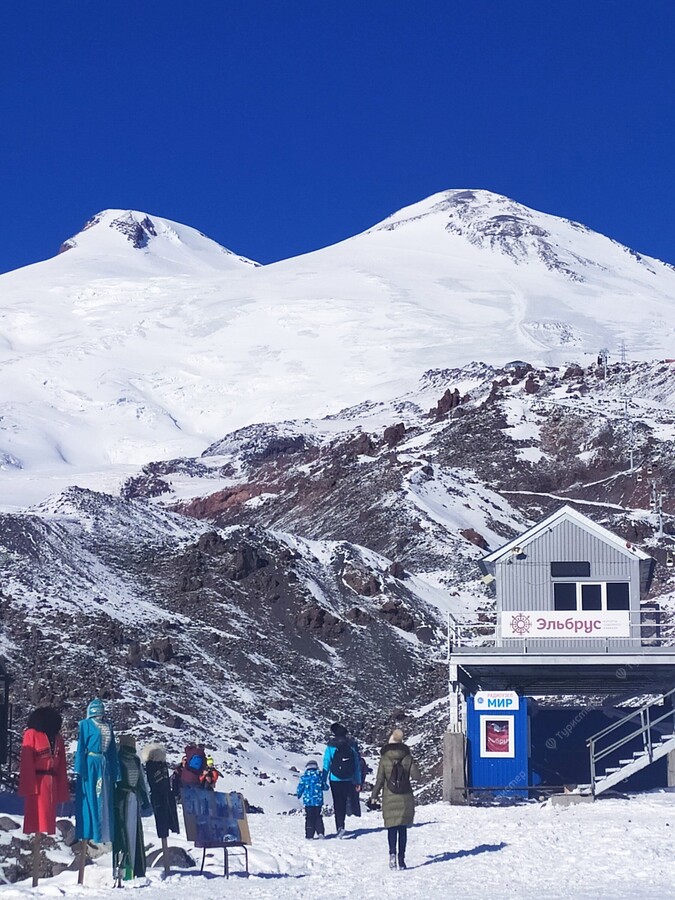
(342, 764)
(196, 763)
(399, 779)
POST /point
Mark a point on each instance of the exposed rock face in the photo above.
(325, 550)
(472, 535)
(449, 401)
(363, 582)
(178, 858)
(394, 434)
(156, 611)
(137, 233)
(396, 614)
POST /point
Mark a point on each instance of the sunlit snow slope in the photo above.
(146, 339)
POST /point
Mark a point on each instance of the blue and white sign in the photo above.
(493, 701)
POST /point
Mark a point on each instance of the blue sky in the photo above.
(280, 126)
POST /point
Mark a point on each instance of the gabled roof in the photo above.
(566, 513)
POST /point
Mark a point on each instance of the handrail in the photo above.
(636, 711)
(644, 730)
(652, 723)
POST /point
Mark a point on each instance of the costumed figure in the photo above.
(131, 800)
(42, 776)
(192, 771)
(161, 794)
(97, 766)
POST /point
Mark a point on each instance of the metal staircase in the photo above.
(657, 734)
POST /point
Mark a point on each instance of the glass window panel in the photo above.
(565, 596)
(570, 569)
(591, 596)
(618, 595)
(497, 736)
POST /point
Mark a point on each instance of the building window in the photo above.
(570, 570)
(618, 595)
(591, 595)
(497, 736)
(565, 595)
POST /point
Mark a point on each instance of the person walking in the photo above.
(342, 770)
(310, 790)
(397, 768)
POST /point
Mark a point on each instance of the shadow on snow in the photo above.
(237, 874)
(351, 835)
(458, 854)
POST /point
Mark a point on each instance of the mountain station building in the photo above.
(574, 687)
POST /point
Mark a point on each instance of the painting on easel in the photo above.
(213, 819)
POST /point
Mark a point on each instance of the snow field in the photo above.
(147, 340)
(615, 848)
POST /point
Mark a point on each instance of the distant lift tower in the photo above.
(656, 503)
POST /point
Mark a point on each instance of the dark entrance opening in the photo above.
(559, 754)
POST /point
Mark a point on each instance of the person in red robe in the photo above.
(43, 781)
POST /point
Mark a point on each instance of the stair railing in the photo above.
(644, 723)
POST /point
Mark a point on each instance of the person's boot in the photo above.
(401, 863)
(392, 860)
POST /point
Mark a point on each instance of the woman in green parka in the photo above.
(396, 770)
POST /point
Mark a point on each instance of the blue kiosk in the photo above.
(498, 742)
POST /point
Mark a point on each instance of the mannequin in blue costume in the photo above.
(97, 766)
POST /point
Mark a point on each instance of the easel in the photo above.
(226, 859)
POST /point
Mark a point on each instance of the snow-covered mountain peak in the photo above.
(136, 227)
(148, 339)
(453, 208)
(494, 222)
(119, 232)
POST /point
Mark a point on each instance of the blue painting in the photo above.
(213, 819)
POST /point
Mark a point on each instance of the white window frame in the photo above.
(495, 754)
(603, 595)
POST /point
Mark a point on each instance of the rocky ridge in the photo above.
(303, 571)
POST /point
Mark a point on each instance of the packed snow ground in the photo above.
(614, 848)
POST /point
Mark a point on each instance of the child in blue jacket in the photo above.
(310, 788)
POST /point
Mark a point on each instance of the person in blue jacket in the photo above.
(342, 770)
(310, 790)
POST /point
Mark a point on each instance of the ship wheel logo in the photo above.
(521, 624)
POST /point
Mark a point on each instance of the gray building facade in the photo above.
(568, 584)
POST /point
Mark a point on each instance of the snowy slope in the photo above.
(472, 853)
(145, 339)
